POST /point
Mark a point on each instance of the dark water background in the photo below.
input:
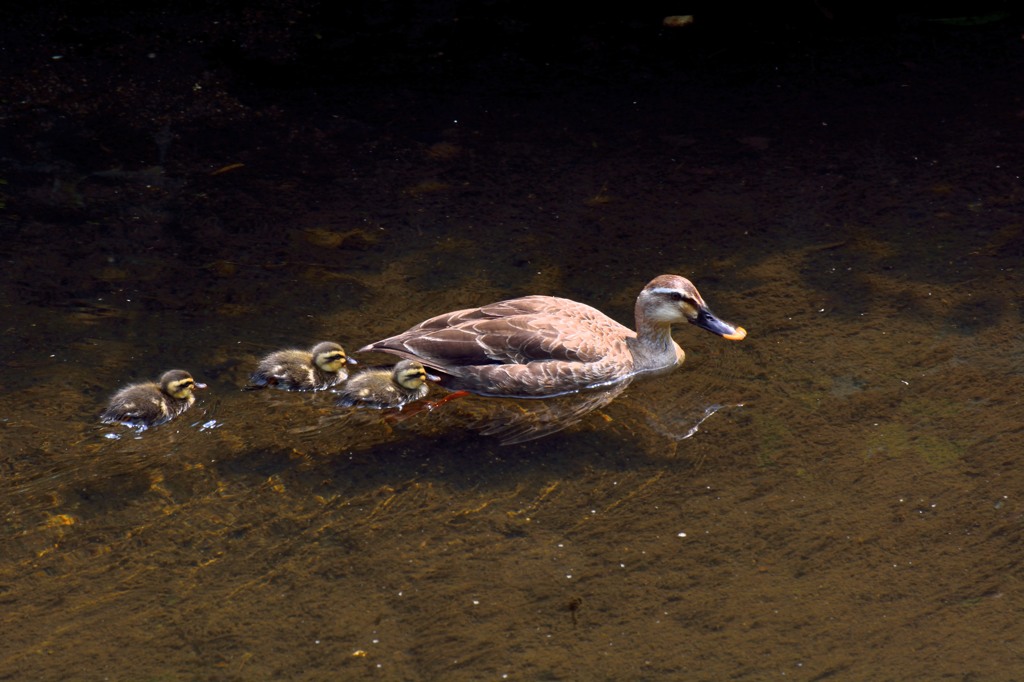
(195, 186)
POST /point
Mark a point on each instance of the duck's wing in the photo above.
(513, 332)
(547, 379)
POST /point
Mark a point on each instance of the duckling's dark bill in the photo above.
(707, 320)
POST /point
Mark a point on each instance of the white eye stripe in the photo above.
(678, 294)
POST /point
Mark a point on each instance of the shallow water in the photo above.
(838, 496)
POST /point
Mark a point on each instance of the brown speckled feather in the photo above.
(521, 347)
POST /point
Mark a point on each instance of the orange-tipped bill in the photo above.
(706, 320)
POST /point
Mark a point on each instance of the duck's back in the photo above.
(530, 346)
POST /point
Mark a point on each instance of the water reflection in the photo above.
(509, 420)
(519, 421)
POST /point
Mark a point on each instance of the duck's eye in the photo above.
(675, 295)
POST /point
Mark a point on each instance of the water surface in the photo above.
(850, 508)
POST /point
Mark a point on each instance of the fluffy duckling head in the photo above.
(330, 357)
(179, 384)
(411, 375)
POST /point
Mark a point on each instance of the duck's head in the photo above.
(669, 299)
(179, 384)
(330, 357)
(411, 374)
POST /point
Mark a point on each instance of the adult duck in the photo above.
(544, 346)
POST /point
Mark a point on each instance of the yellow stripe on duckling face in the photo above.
(331, 362)
(181, 389)
(412, 378)
(179, 384)
(329, 356)
(410, 374)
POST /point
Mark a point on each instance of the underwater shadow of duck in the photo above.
(438, 449)
(509, 420)
(519, 421)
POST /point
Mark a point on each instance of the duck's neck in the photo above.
(654, 348)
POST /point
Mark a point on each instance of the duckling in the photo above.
(150, 404)
(386, 388)
(319, 368)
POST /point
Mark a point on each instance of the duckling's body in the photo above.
(317, 369)
(542, 346)
(386, 388)
(150, 404)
